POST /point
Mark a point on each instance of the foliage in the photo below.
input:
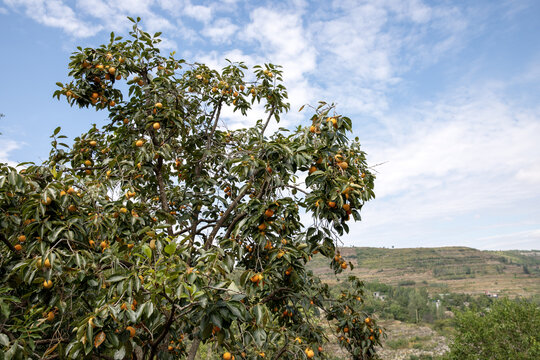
(402, 303)
(163, 229)
(506, 330)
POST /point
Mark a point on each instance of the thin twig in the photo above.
(268, 120)
(297, 188)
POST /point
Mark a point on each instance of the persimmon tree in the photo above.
(163, 230)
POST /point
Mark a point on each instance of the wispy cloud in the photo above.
(529, 239)
(221, 31)
(469, 153)
(54, 13)
(463, 150)
(6, 147)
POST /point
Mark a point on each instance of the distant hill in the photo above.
(444, 269)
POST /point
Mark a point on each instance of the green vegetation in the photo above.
(506, 330)
(128, 242)
(444, 270)
(447, 261)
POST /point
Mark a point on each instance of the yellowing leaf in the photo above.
(51, 349)
(99, 339)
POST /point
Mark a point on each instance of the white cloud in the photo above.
(364, 48)
(198, 12)
(55, 13)
(529, 239)
(6, 147)
(280, 37)
(133, 6)
(221, 31)
(3, 11)
(471, 154)
(86, 19)
(530, 174)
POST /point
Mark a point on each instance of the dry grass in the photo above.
(449, 269)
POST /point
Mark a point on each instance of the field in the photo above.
(439, 271)
(443, 270)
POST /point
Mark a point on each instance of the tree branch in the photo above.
(297, 188)
(272, 295)
(233, 223)
(281, 351)
(161, 187)
(194, 348)
(216, 113)
(189, 228)
(225, 215)
(268, 120)
(164, 332)
(8, 244)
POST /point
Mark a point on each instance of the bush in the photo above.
(507, 330)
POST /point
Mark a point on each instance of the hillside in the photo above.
(444, 269)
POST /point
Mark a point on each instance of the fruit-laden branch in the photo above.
(8, 244)
(231, 207)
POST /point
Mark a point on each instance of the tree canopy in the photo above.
(165, 229)
(508, 329)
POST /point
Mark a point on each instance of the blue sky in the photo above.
(445, 94)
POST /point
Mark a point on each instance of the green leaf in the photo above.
(260, 337)
(120, 353)
(170, 248)
(117, 278)
(4, 340)
(258, 314)
(149, 309)
(147, 251)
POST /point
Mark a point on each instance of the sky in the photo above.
(444, 95)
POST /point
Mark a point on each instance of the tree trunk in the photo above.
(194, 348)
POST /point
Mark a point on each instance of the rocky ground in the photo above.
(405, 340)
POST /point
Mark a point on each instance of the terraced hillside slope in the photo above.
(444, 269)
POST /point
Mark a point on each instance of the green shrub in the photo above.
(507, 330)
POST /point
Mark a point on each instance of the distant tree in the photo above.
(507, 330)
